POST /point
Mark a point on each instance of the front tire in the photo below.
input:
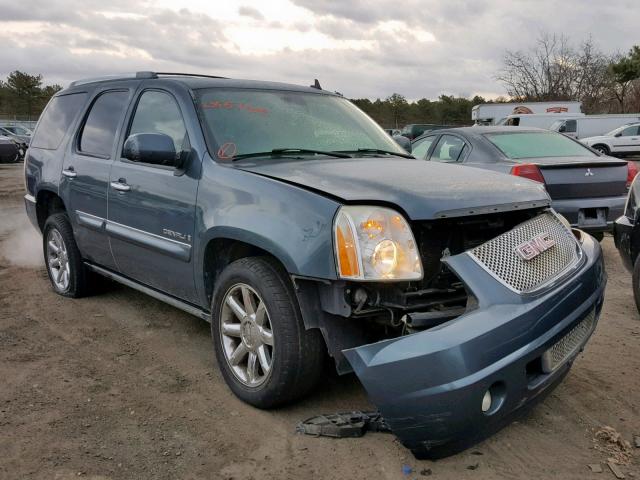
(264, 352)
(635, 280)
(62, 258)
(603, 149)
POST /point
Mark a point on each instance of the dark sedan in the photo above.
(588, 188)
(627, 237)
(9, 151)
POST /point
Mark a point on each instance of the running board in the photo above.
(174, 302)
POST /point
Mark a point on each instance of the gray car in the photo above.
(588, 188)
(294, 224)
(19, 134)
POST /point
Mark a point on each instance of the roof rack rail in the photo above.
(177, 74)
(121, 76)
(139, 75)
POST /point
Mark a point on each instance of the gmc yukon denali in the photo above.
(288, 219)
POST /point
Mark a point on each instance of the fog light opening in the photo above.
(486, 401)
(493, 398)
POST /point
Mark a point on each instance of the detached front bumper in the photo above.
(429, 386)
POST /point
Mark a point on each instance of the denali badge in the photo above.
(534, 247)
(588, 173)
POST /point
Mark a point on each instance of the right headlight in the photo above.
(375, 243)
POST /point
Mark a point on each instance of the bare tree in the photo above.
(555, 70)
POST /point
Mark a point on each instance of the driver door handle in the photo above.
(69, 172)
(121, 185)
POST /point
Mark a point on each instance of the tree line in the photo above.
(24, 96)
(552, 69)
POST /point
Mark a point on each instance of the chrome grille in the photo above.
(569, 344)
(498, 256)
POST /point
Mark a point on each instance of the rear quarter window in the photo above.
(56, 120)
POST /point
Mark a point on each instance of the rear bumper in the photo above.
(570, 209)
(429, 386)
(30, 207)
(623, 236)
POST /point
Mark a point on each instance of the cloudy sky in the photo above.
(362, 48)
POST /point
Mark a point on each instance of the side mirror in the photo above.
(403, 141)
(562, 129)
(619, 134)
(153, 148)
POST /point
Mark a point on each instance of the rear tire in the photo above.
(67, 272)
(635, 280)
(256, 323)
(603, 149)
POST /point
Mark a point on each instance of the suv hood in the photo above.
(424, 190)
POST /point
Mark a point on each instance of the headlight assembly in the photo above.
(375, 243)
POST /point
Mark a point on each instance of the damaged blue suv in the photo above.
(288, 219)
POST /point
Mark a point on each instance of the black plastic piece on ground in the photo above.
(343, 425)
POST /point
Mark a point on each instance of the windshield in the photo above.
(244, 122)
(537, 145)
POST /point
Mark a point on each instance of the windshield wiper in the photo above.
(283, 151)
(379, 150)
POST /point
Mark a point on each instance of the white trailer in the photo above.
(593, 125)
(537, 120)
(493, 113)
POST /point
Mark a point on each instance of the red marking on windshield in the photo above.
(227, 105)
(227, 150)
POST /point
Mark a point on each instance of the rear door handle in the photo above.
(69, 172)
(121, 185)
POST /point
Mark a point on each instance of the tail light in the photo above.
(527, 170)
(632, 171)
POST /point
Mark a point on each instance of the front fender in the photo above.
(289, 222)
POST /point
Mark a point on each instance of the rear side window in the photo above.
(56, 119)
(99, 131)
(448, 149)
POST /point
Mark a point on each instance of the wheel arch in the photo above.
(227, 244)
(601, 144)
(48, 202)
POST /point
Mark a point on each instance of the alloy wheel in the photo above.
(246, 335)
(58, 260)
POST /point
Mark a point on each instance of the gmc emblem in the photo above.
(532, 248)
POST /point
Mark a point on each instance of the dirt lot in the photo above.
(122, 386)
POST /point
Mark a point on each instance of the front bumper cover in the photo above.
(429, 386)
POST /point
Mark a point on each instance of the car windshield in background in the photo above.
(245, 122)
(520, 145)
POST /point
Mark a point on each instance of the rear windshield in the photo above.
(242, 121)
(519, 145)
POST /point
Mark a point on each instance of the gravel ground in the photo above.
(121, 386)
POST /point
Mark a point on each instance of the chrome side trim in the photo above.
(90, 221)
(111, 222)
(174, 302)
(30, 198)
(167, 246)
